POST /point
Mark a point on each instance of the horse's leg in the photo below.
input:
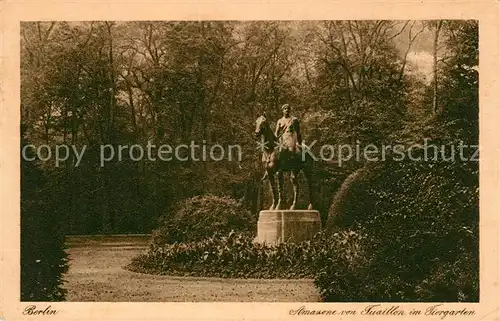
(272, 183)
(280, 189)
(308, 174)
(294, 177)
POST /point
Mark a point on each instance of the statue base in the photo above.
(287, 226)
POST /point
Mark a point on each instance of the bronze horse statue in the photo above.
(277, 160)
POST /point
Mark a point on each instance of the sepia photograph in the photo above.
(250, 161)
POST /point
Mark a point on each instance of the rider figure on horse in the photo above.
(288, 131)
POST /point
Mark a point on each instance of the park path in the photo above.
(96, 274)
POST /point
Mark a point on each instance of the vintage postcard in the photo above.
(244, 160)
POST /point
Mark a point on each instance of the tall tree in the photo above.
(437, 29)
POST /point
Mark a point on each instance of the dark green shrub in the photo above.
(43, 258)
(422, 235)
(200, 217)
(237, 256)
(234, 255)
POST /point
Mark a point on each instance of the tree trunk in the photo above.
(112, 87)
(435, 68)
(108, 212)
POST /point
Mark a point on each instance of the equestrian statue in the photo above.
(282, 151)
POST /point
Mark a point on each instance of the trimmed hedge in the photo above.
(200, 217)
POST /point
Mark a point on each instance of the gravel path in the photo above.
(96, 274)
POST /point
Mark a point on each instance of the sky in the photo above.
(422, 60)
(420, 55)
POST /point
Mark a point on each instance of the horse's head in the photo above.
(260, 125)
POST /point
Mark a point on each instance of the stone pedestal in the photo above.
(287, 226)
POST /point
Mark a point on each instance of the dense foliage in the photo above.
(421, 241)
(236, 255)
(200, 217)
(43, 259)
